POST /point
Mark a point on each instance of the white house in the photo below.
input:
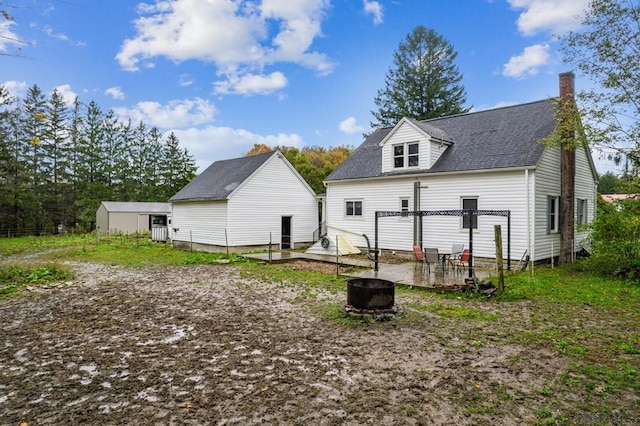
(245, 203)
(123, 217)
(487, 160)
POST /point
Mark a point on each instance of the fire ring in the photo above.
(370, 293)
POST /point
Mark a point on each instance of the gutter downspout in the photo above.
(526, 180)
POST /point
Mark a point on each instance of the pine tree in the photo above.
(13, 176)
(34, 113)
(90, 170)
(56, 162)
(424, 82)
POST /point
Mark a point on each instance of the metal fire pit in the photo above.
(370, 293)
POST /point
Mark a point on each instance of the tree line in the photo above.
(314, 163)
(59, 162)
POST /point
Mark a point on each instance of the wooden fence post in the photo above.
(498, 236)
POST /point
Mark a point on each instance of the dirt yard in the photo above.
(201, 345)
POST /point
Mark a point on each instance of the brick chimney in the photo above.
(567, 85)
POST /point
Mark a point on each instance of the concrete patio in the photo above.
(407, 273)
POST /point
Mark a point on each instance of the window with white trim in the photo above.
(406, 155)
(404, 206)
(353, 208)
(553, 214)
(470, 203)
(581, 211)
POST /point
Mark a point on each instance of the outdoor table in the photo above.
(444, 255)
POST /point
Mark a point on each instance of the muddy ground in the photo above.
(202, 345)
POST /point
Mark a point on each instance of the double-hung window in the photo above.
(581, 212)
(404, 206)
(353, 208)
(406, 155)
(470, 204)
(553, 214)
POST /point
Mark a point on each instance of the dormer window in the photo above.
(405, 155)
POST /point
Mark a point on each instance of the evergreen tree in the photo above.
(153, 153)
(424, 82)
(13, 175)
(34, 113)
(90, 169)
(177, 168)
(56, 162)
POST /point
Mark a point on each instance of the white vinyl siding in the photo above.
(252, 215)
(547, 179)
(201, 222)
(586, 189)
(436, 148)
(497, 190)
(256, 207)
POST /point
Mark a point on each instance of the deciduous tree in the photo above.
(606, 50)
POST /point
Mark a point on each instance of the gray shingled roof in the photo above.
(492, 139)
(219, 180)
(136, 207)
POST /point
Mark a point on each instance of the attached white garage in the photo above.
(245, 203)
(115, 217)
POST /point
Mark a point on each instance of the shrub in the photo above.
(615, 239)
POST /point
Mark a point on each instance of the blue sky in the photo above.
(225, 74)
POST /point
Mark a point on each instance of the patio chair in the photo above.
(456, 252)
(419, 255)
(463, 261)
(431, 256)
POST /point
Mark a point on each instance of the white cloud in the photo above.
(349, 126)
(185, 80)
(17, 89)
(7, 36)
(115, 92)
(556, 16)
(60, 36)
(176, 114)
(212, 143)
(374, 8)
(500, 104)
(251, 84)
(528, 63)
(240, 38)
(68, 95)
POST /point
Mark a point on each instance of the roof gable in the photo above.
(221, 178)
(422, 129)
(492, 139)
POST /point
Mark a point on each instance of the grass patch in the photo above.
(15, 276)
(300, 279)
(571, 286)
(28, 245)
(457, 311)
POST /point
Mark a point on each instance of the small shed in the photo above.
(116, 217)
(245, 203)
